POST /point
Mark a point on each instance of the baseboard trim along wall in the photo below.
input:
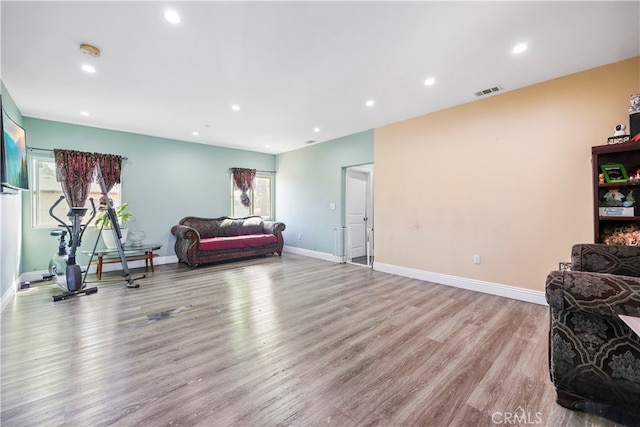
(7, 298)
(521, 294)
(313, 254)
(527, 295)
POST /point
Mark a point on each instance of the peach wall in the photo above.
(507, 177)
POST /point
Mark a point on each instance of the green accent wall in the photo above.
(309, 180)
(163, 180)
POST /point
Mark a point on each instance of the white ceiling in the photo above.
(291, 66)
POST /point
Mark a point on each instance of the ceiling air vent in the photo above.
(311, 141)
(489, 91)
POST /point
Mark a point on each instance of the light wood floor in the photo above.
(277, 341)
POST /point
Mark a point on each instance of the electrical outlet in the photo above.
(476, 259)
(299, 236)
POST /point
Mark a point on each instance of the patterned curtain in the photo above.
(244, 180)
(75, 171)
(111, 168)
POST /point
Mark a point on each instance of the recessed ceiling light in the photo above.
(195, 133)
(316, 129)
(172, 16)
(519, 48)
(370, 103)
(235, 107)
(430, 81)
(267, 145)
(84, 113)
(88, 68)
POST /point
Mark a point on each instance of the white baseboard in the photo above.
(528, 295)
(7, 297)
(313, 254)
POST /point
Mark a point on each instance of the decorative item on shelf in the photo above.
(614, 172)
(103, 221)
(600, 178)
(617, 139)
(613, 197)
(634, 175)
(634, 117)
(620, 135)
(615, 211)
(634, 104)
(629, 200)
(626, 234)
(136, 237)
(614, 203)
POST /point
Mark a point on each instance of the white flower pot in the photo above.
(109, 240)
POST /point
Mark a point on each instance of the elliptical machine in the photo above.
(71, 279)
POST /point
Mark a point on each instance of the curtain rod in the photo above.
(50, 150)
(257, 170)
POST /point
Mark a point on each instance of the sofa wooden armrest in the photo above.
(185, 232)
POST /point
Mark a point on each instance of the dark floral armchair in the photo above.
(594, 357)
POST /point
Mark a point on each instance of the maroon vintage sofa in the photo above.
(208, 240)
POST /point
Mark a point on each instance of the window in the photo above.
(46, 191)
(261, 198)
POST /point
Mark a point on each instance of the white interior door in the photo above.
(356, 209)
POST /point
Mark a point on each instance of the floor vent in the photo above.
(489, 91)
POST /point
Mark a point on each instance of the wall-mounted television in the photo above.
(14, 174)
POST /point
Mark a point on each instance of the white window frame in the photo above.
(243, 212)
(45, 187)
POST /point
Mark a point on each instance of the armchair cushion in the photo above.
(236, 242)
(601, 258)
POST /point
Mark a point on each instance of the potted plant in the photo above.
(104, 222)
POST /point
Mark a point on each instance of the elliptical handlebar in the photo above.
(93, 215)
(82, 228)
(93, 210)
(60, 222)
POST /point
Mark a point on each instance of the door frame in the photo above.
(368, 170)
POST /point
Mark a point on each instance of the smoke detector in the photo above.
(89, 50)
